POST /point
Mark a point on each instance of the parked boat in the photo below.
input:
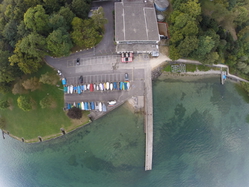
(107, 85)
(74, 89)
(104, 86)
(91, 87)
(85, 105)
(96, 106)
(65, 89)
(88, 87)
(100, 87)
(78, 89)
(104, 107)
(94, 86)
(89, 106)
(111, 86)
(82, 106)
(82, 88)
(100, 106)
(71, 89)
(115, 86)
(92, 105)
(112, 103)
(68, 106)
(120, 85)
(128, 85)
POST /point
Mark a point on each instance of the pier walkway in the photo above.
(148, 117)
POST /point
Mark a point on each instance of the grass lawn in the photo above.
(190, 67)
(167, 68)
(39, 122)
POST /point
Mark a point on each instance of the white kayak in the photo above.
(82, 106)
(96, 106)
(71, 89)
(107, 85)
(88, 87)
(100, 106)
(111, 103)
(97, 87)
(111, 86)
(74, 104)
(84, 87)
(101, 86)
(68, 89)
(128, 85)
(94, 86)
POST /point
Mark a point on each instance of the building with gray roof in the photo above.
(136, 27)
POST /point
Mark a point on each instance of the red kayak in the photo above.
(91, 87)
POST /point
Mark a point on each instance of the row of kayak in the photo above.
(98, 87)
(89, 106)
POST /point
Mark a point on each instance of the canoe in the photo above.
(96, 106)
(92, 105)
(112, 103)
(128, 85)
(100, 106)
(104, 107)
(111, 86)
(82, 106)
(107, 85)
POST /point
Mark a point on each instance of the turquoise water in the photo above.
(201, 139)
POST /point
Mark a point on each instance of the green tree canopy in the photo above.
(56, 21)
(99, 19)
(24, 103)
(67, 14)
(4, 104)
(36, 19)
(59, 42)
(80, 8)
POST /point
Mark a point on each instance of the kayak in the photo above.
(104, 107)
(71, 89)
(94, 86)
(107, 85)
(120, 85)
(125, 85)
(91, 88)
(82, 88)
(65, 89)
(115, 86)
(68, 106)
(96, 106)
(100, 106)
(85, 105)
(74, 89)
(128, 85)
(97, 87)
(64, 81)
(74, 104)
(111, 86)
(101, 87)
(79, 90)
(104, 86)
(89, 106)
(88, 87)
(92, 105)
(112, 103)
(78, 105)
(82, 106)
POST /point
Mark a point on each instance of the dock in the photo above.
(148, 118)
(223, 76)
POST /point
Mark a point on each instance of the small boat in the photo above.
(68, 106)
(104, 107)
(112, 103)
(96, 106)
(82, 106)
(100, 106)
(107, 85)
(65, 89)
(115, 86)
(88, 87)
(97, 87)
(104, 86)
(71, 89)
(91, 87)
(125, 85)
(94, 86)
(92, 105)
(82, 88)
(89, 106)
(79, 105)
(120, 86)
(74, 104)
(111, 86)
(68, 89)
(100, 87)
(74, 89)
(85, 105)
(128, 85)
(64, 81)
(78, 89)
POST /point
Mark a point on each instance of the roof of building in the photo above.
(135, 22)
(141, 48)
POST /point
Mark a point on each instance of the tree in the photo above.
(36, 19)
(59, 42)
(84, 34)
(52, 5)
(99, 19)
(32, 84)
(18, 88)
(46, 102)
(5, 87)
(80, 8)
(174, 53)
(33, 45)
(49, 78)
(56, 21)
(189, 44)
(4, 104)
(2, 122)
(74, 113)
(10, 32)
(67, 14)
(206, 44)
(192, 8)
(27, 63)
(24, 103)
(210, 58)
(7, 72)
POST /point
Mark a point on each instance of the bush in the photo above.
(32, 84)
(46, 102)
(49, 78)
(24, 103)
(19, 89)
(74, 113)
(5, 87)
(4, 104)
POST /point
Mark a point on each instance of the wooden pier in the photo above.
(148, 118)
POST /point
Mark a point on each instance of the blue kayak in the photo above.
(74, 89)
(65, 89)
(115, 86)
(86, 106)
(78, 105)
(79, 90)
(82, 87)
(68, 106)
(64, 81)
(125, 85)
(120, 85)
(92, 105)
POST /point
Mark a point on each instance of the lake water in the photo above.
(201, 139)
